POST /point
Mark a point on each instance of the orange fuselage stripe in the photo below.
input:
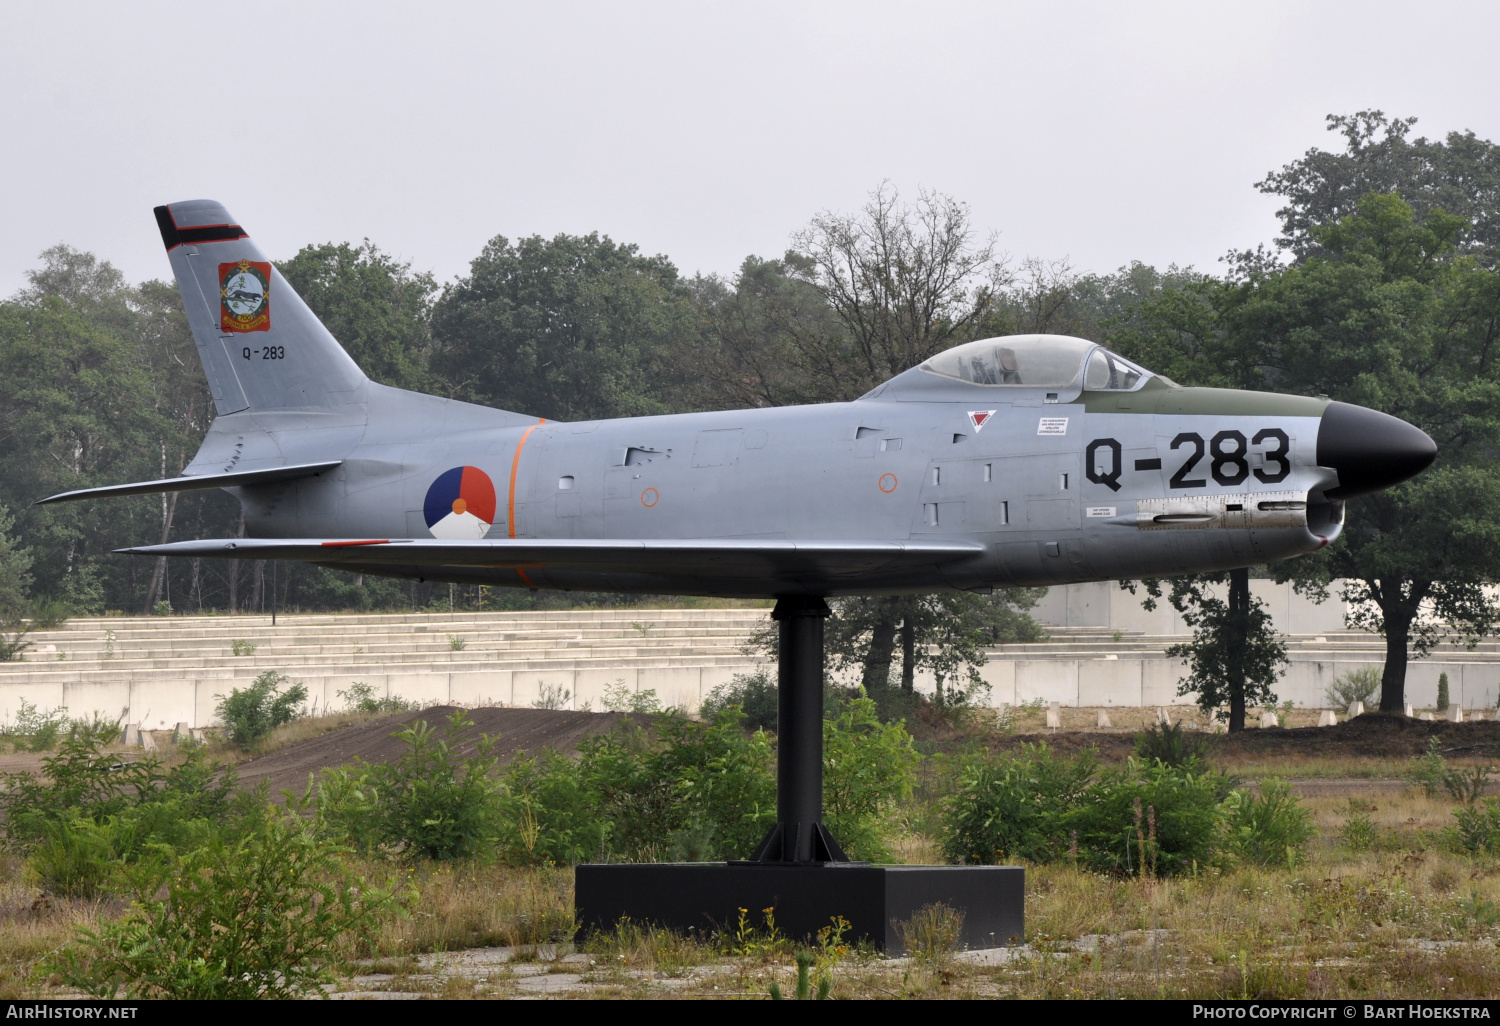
(515, 465)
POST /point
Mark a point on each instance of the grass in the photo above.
(1403, 919)
(1385, 910)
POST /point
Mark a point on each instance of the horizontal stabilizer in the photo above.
(692, 557)
(185, 484)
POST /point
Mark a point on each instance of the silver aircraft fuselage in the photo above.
(1023, 460)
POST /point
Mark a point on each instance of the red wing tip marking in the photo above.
(346, 544)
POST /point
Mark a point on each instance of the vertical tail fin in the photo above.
(261, 347)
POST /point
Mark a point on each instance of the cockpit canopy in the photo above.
(1037, 361)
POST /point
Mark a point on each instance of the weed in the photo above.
(553, 696)
(1478, 827)
(1357, 685)
(1170, 745)
(1430, 769)
(360, 697)
(241, 647)
(754, 694)
(932, 934)
(272, 914)
(643, 629)
(433, 802)
(620, 697)
(804, 991)
(1478, 910)
(162, 608)
(1283, 711)
(1270, 828)
(1467, 785)
(1358, 832)
(457, 643)
(249, 714)
(748, 941)
(37, 731)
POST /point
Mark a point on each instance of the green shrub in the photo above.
(1358, 832)
(647, 788)
(1478, 827)
(754, 694)
(1148, 819)
(35, 730)
(88, 818)
(620, 697)
(551, 815)
(76, 857)
(1011, 809)
(868, 768)
(82, 781)
(1268, 829)
(1467, 785)
(1037, 807)
(1168, 743)
(1357, 685)
(1442, 695)
(242, 647)
(48, 614)
(249, 714)
(274, 913)
(1430, 768)
(433, 802)
(360, 697)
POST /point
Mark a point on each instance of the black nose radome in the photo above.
(1370, 450)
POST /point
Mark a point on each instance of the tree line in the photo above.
(1381, 289)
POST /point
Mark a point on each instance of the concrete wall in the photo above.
(1106, 604)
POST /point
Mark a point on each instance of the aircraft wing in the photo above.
(187, 484)
(705, 557)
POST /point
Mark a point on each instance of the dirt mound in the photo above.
(1372, 736)
(518, 730)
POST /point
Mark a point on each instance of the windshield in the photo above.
(1034, 361)
(1109, 372)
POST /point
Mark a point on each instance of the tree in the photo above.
(1382, 311)
(905, 282)
(377, 308)
(947, 633)
(1459, 175)
(76, 409)
(1388, 314)
(571, 328)
(1235, 655)
(749, 355)
(15, 571)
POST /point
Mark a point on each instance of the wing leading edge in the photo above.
(266, 475)
(706, 557)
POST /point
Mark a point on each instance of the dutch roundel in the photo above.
(460, 504)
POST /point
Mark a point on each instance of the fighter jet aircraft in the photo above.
(1028, 459)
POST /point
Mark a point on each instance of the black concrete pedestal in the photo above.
(798, 868)
(707, 896)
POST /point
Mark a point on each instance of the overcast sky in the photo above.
(1103, 132)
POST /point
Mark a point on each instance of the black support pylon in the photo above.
(799, 836)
